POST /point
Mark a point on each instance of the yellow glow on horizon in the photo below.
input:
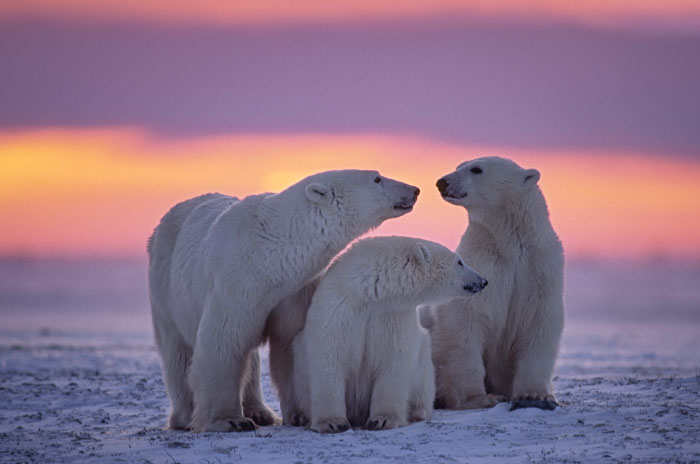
(238, 11)
(102, 191)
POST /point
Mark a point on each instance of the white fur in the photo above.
(362, 358)
(283, 324)
(503, 343)
(219, 266)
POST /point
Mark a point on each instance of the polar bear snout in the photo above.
(448, 190)
(476, 287)
(407, 202)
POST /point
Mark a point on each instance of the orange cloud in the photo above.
(102, 191)
(304, 10)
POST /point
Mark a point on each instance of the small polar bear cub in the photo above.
(362, 358)
(219, 266)
(503, 343)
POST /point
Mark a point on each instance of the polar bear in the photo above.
(502, 344)
(219, 265)
(362, 358)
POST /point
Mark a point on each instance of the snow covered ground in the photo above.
(80, 381)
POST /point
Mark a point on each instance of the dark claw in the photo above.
(343, 427)
(375, 425)
(243, 425)
(547, 405)
(261, 420)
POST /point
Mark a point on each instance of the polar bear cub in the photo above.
(503, 343)
(362, 358)
(218, 266)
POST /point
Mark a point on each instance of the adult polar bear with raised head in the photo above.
(503, 343)
(362, 359)
(218, 267)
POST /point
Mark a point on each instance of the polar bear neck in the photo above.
(516, 224)
(316, 234)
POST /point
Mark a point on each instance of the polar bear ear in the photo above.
(316, 191)
(530, 177)
(422, 253)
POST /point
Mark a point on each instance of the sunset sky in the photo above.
(112, 111)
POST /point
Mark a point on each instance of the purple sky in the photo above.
(461, 80)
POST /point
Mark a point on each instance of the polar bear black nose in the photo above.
(442, 185)
(477, 287)
(416, 192)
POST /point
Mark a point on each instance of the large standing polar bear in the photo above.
(362, 358)
(219, 266)
(501, 344)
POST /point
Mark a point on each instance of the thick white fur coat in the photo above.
(503, 343)
(362, 359)
(219, 266)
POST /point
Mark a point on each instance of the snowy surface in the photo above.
(78, 385)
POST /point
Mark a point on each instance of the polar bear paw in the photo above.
(179, 421)
(331, 425)
(299, 419)
(482, 401)
(381, 422)
(240, 424)
(544, 401)
(262, 415)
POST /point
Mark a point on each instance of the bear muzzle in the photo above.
(475, 288)
(406, 203)
(443, 186)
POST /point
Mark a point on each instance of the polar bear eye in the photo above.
(476, 170)
(460, 263)
(377, 179)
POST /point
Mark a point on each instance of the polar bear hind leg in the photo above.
(176, 357)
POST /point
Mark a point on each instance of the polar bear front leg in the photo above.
(459, 377)
(390, 394)
(327, 393)
(218, 371)
(254, 406)
(423, 385)
(532, 383)
(217, 396)
(328, 412)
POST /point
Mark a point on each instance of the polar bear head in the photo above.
(403, 272)
(362, 200)
(486, 182)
